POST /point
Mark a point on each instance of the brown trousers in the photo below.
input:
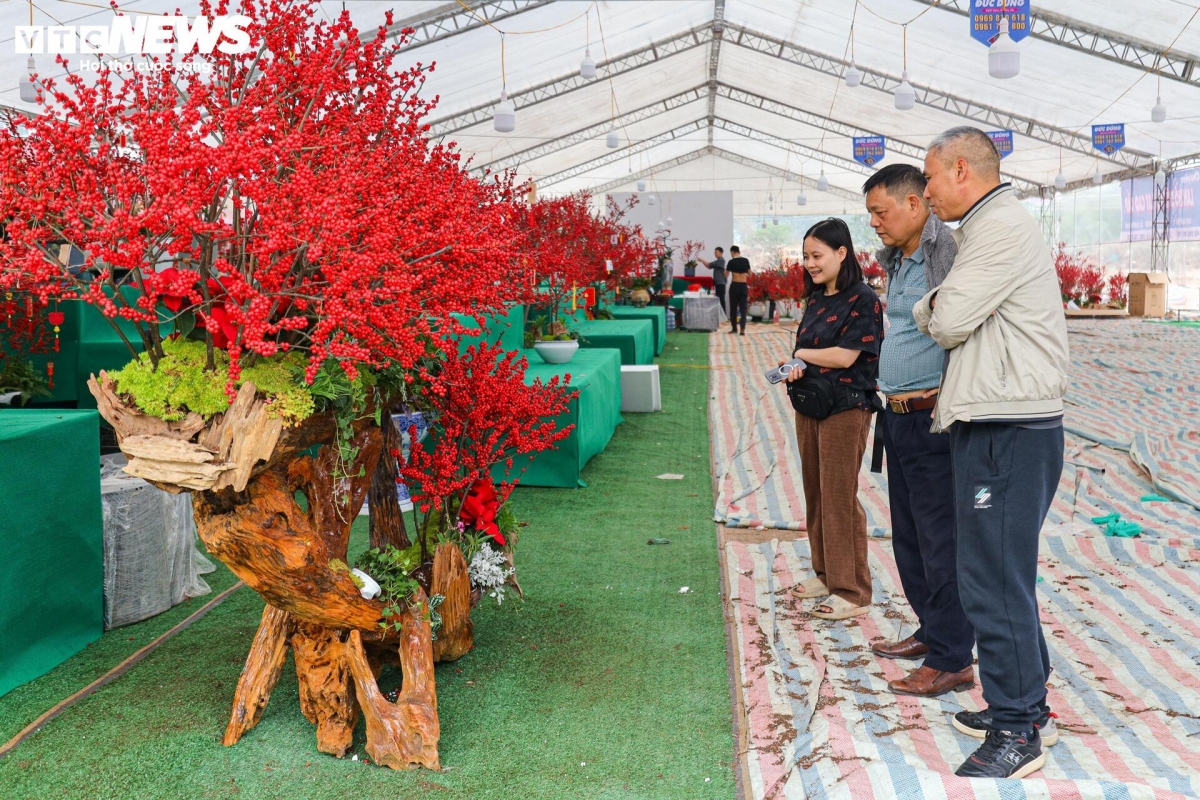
(831, 454)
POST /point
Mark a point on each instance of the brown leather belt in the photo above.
(912, 404)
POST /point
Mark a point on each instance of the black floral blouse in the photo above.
(853, 319)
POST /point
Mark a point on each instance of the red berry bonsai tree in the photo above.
(290, 249)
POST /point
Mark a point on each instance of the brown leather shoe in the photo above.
(908, 648)
(928, 682)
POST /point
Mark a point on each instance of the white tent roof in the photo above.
(734, 94)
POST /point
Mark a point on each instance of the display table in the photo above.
(51, 540)
(657, 316)
(702, 313)
(633, 337)
(595, 412)
(680, 285)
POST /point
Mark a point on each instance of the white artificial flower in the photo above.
(489, 570)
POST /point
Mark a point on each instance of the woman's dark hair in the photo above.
(834, 233)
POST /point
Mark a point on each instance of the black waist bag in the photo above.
(813, 397)
(818, 398)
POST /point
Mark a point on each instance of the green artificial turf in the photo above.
(605, 682)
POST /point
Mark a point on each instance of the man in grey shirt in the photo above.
(717, 265)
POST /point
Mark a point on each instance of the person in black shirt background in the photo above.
(739, 291)
(839, 339)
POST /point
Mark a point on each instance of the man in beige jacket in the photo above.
(1000, 316)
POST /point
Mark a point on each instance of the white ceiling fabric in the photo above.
(1058, 86)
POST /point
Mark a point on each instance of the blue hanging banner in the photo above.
(1003, 141)
(869, 150)
(1108, 139)
(986, 16)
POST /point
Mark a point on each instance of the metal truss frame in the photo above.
(557, 87)
(1110, 46)
(928, 96)
(442, 23)
(594, 131)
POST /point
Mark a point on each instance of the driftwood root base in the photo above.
(451, 581)
(338, 682)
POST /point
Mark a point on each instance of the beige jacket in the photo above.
(999, 313)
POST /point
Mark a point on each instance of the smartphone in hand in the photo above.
(780, 373)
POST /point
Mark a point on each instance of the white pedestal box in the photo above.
(640, 391)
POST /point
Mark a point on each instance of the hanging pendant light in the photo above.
(763, 225)
(28, 90)
(802, 199)
(1060, 181)
(612, 140)
(905, 97)
(853, 76)
(1160, 177)
(775, 220)
(661, 225)
(1159, 112)
(587, 67)
(652, 200)
(1097, 179)
(1004, 57)
(822, 182)
(504, 118)
(641, 186)
(670, 222)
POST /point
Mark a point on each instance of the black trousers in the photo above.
(1004, 482)
(739, 303)
(719, 291)
(921, 498)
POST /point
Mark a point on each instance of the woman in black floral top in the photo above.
(839, 338)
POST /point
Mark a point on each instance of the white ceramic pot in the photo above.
(370, 589)
(758, 310)
(556, 352)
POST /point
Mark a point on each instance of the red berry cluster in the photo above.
(288, 197)
(483, 414)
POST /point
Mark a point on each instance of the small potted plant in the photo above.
(639, 296)
(20, 382)
(690, 251)
(554, 342)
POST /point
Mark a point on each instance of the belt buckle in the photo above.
(899, 406)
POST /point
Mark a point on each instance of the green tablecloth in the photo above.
(595, 413)
(657, 316)
(507, 329)
(633, 337)
(51, 540)
(87, 344)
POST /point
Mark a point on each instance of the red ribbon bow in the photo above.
(479, 510)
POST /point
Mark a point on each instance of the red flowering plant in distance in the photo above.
(290, 249)
(633, 255)
(566, 248)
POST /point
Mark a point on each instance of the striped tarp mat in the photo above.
(1122, 615)
(1122, 621)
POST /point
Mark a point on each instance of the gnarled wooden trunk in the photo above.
(245, 470)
